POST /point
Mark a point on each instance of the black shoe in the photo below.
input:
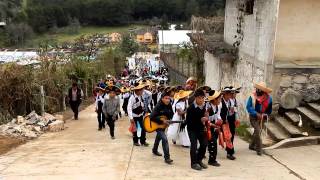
(168, 161)
(136, 144)
(231, 157)
(259, 153)
(214, 163)
(112, 137)
(99, 129)
(156, 153)
(174, 142)
(196, 167)
(145, 144)
(252, 148)
(203, 165)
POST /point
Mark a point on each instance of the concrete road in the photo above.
(82, 152)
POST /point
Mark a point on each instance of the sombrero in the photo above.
(263, 87)
(227, 89)
(213, 95)
(191, 79)
(124, 89)
(113, 88)
(182, 94)
(137, 86)
(145, 82)
(205, 88)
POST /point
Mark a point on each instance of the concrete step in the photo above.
(292, 130)
(315, 107)
(293, 117)
(276, 132)
(313, 117)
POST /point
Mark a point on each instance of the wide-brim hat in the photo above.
(145, 82)
(191, 79)
(182, 94)
(213, 95)
(170, 89)
(228, 89)
(205, 88)
(113, 88)
(263, 87)
(124, 89)
(138, 86)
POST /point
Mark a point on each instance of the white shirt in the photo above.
(126, 95)
(99, 98)
(132, 104)
(216, 115)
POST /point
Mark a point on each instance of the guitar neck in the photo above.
(176, 121)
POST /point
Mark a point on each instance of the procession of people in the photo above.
(198, 118)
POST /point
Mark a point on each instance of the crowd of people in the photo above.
(198, 118)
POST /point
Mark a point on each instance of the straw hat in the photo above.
(191, 79)
(182, 94)
(263, 87)
(113, 88)
(213, 95)
(124, 89)
(138, 86)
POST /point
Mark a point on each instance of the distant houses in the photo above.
(115, 37)
(144, 36)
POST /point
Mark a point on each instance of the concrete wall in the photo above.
(298, 30)
(212, 71)
(256, 50)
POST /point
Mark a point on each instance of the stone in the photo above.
(300, 79)
(30, 134)
(20, 120)
(286, 81)
(297, 87)
(56, 126)
(17, 129)
(315, 78)
(37, 129)
(290, 99)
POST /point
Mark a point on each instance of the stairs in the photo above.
(287, 126)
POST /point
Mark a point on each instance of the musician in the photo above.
(195, 121)
(111, 108)
(163, 108)
(213, 110)
(228, 116)
(99, 104)
(175, 132)
(259, 105)
(136, 112)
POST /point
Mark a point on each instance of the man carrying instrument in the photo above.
(213, 110)
(195, 122)
(164, 110)
(136, 112)
(259, 107)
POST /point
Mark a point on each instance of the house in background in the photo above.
(144, 36)
(277, 42)
(115, 37)
(170, 40)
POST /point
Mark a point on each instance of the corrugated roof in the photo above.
(173, 36)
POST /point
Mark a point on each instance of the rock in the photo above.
(17, 129)
(49, 117)
(30, 134)
(37, 129)
(286, 81)
(290, 99)
(33, 118)
(3, 128)
(20, 120)
(297, 87)
(59, 117)
(14, 121)
(41, 124)
(300, 79)
(315, 78)
(56, 126)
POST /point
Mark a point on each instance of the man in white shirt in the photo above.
(136, 112)
(99, 104)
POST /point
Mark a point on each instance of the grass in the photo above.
(65, 37)
(243, 132)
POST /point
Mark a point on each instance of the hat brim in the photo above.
(263, 88)
(214, 96)
(141, 86)
(182, 95)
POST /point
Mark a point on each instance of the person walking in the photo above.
(75, 95)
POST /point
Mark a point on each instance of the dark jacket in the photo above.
(161, 110)
(79, 97)
(193, 119)
(224, 111)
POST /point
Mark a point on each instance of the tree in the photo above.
(128, 45)
(192, 8)
(18, 33)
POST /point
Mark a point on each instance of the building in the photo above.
(115, 37)
(170, 40)
(277, 42)
(145, 36)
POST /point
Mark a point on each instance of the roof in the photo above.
(173, 36)
(214, 43)
(3, 23)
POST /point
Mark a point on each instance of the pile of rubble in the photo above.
(31, 126)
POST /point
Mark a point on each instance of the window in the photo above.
(249, 7)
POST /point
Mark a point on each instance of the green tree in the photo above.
(128, 45)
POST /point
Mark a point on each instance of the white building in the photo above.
(170, 40)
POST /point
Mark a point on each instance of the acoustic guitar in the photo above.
(151, 126)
